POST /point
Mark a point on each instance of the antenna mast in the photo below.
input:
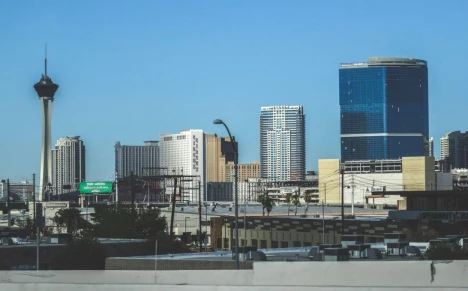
(45, 60)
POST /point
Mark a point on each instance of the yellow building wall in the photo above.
(329, 181)
(212, 154)
(244, 171)
(418, 173)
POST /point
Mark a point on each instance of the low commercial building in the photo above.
(358, 179)
(296, 231)
(244, 171)
(22, 191)
(288, 226)
(219, 191)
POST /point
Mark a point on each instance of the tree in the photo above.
(296, 202)
(28, 225)
(121, 221)
(266, 202)
(288, 201)
(262, 200)
(149, 223)
(307, 199)
(83, 253)
(71, 219)
(115, 221)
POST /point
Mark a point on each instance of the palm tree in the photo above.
(288, 200)
(69, 218)
(296, 202)
(262, 200)
(307, 199)
(267, 203)
(270, 203)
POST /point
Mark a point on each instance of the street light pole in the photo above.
(323, 222)
(236, 198)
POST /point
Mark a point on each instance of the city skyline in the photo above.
(293, 62)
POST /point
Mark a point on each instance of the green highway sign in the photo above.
(96, 187)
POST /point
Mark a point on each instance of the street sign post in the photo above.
(95, 188)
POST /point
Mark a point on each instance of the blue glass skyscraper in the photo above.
(384, 109)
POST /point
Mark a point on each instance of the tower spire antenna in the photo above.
(45, 60)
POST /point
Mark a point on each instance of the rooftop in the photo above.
(277, 254)
(386, 61)
(227, 209)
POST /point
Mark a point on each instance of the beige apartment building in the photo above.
(244, 171)
(220, 161)
(217, 148)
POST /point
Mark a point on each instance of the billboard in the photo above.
(96, 187)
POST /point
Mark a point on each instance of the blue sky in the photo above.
(130, 70)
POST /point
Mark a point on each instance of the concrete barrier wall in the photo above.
(151, 264)
(265, 276)
(133, 278)
(363, 274)
(113, 287)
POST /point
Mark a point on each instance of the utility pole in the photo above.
(323, 222)
(325, 192)
(8, 203)
(342, 199)
(173, 207)
(200, 215)
(34, 198)
(236, 203)
(39, 225)
(132, 191)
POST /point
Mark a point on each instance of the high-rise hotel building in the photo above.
(184, 154)
(219, 151)
(454, 149)
(68, 165)
(282, 143)
(384, 109)
(142, 160)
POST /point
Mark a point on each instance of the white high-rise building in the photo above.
(454, 149)
(68, 165)
(282, 143)
(142, 160)
(184, 154)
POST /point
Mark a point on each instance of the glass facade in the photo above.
(384, 111)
